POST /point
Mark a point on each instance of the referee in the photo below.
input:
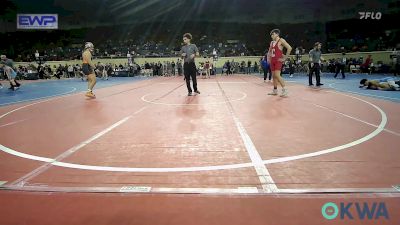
(189, 52)
(315, 66)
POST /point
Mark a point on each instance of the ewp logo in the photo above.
(37, 21)
(363, 211)
(370, 15)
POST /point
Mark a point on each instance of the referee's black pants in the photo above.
(315, 69)
(340, 68)
(190, 71)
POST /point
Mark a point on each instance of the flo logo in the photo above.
(364, 211)
(370, 15)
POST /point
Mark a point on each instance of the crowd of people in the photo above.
(120, 49)
(231, 67)
(104, 70)
(340, 65)
(296, 64)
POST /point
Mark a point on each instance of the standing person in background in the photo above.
(214, 54)
(255, 69)
(201, 70)
(179, 63)
(396, 62)
(110, 69)
(188, 52)
(129, 56)
(37, 55)
(290, 67)
(228, 67)
(248, 71)
(365, 67)
(297, 54)
(265, 68)
(340, 66)
(212, 67)
(207, 68)
(315, 66)
(104, 74)
(70, 71)
(173, 68)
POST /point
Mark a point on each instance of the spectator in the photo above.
(179, 63)
(37, 55)
(396, 62)
(173, 68)
(365, 67)
(315, 64)
(248, 67)
(70, 71)
(340, 65)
